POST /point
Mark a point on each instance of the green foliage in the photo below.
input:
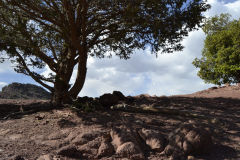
(62, 34)
(220, 62)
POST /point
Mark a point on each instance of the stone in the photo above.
(72, 135)
(227, 84)
(90, 149)
(119, 94)
(155, 140)
(45, 157)
(19, 158)
(120, 106)
(191, 158)
(119, 136)
(128, 149)
(94, 144)
(83, 138)
(106, 149)
(15, 137)
(64, 123)
(144, 96)
(189, 139)
(108, 100)
(40, 116)
(213, 88)
(55, 136)
(4, 132)
(84, 99)
(69, 151)
(52, 143)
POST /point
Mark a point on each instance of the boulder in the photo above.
(52, 143)
(119, 94)
(213, 88)
(154, 139)
(69, 151)
(90, 149)
(189, 139)
(84, 99)
(64, 123)
(18, 157)
(108, 99)
(106, 149)
(128, 149)
(120, 136)
(84, 138)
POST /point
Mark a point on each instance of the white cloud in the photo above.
(6, 67)
(167, 74)
(226, 6)
(2, 84)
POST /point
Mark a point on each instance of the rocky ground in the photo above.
(203, 125)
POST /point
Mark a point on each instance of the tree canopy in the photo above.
(220, 61)
(62, 34)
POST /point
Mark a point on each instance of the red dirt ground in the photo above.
(36, 129)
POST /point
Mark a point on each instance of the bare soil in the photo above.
(32, 129)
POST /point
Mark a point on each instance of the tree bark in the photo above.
(81, 76)
(60, 94)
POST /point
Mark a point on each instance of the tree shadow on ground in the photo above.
(220, 115)
(17, 111)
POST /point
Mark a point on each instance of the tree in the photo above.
(220, 62)
(62, 34)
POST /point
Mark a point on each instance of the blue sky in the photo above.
(168, 74)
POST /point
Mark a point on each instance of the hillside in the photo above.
(204, 125)
(23, 91)
(231, 91)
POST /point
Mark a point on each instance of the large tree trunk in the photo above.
(62, 94)
(81, 76)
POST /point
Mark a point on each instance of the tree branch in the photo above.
(36, 78)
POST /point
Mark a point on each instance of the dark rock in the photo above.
(19, 158)
(130, 99)
(120, 136)
(63, 123)
(105, 150)
(90, 148)
(119, 94)
(85, 99)
(69, 151)
(45, 157)
(189, 139)
(155, 140)
(213, 88)
(108, 100)
(128, 149)
(125, 143)
(84, 138)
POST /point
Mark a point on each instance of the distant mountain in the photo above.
(24, 91)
